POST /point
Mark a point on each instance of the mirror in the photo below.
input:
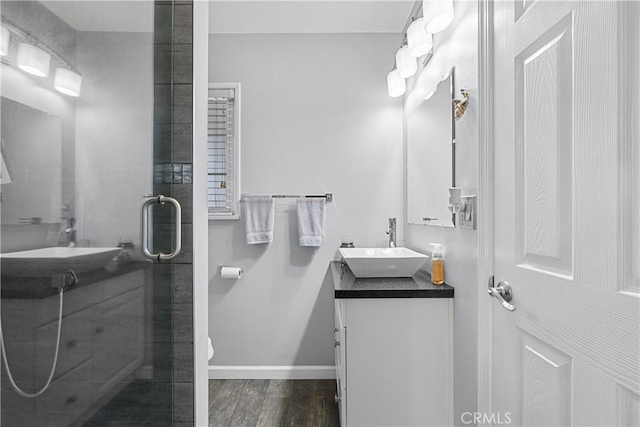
(31, 165)
(430, 158)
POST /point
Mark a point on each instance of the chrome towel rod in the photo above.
(328, 196)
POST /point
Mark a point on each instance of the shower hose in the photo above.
(55, 358)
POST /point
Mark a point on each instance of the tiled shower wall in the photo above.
(173, 281)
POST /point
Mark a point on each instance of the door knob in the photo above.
(503, 293)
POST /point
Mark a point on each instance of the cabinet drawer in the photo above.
(118, 337)
(67, 398)
(75, 344)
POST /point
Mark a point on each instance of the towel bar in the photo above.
(328, 196)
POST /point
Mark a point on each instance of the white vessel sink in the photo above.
(383, 262)
(51, 261)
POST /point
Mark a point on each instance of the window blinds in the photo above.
(220, 150)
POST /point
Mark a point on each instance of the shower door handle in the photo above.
(177, 247)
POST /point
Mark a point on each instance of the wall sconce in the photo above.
(33, 60)
(67, 82)
(5, 38)
(419, 41)
(460, 105)
(405, 63)
(438, 14)
(396, 85)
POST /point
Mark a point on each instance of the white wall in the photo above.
(315, 118)
(457, 46)
(114, 134)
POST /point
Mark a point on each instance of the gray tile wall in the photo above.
(173, 299)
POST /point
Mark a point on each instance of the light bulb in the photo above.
(67, 82)
(419, 41)
(396, 85)
(33, 60)
(405, 63)
(438, 14)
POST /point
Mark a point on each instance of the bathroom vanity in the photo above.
(393, 350)
(101, 344)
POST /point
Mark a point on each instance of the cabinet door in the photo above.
(118, 338)
(398, 362)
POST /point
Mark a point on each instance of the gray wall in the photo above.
(315, 118)
(457, 46)
(114, 134)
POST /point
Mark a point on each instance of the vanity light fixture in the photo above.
(5, 38)
(396, 85)
(438, 14)
(33, 60)
(405, 63)
(419, 41)
(67, 82)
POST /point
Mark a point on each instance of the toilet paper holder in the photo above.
(229, 272)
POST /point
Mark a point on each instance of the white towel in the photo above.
(311, 215)
(259, 219)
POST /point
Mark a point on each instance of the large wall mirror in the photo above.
(431, 157)
(31, 165)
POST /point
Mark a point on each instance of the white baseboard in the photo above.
(272, 372)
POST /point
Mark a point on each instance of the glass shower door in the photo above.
(85, 137)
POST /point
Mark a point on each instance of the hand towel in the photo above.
(259, 219)
(311, 215)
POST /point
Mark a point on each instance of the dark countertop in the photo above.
(346, 285)
(28, 287)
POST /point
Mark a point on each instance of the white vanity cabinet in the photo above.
(394, 359)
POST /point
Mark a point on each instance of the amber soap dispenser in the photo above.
(437, 264)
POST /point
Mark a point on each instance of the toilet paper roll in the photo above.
(231, 272)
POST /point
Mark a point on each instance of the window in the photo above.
(223, 151)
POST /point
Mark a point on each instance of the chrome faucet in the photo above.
(71, 232)
(391, 231)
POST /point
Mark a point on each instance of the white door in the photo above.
(566, 214)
